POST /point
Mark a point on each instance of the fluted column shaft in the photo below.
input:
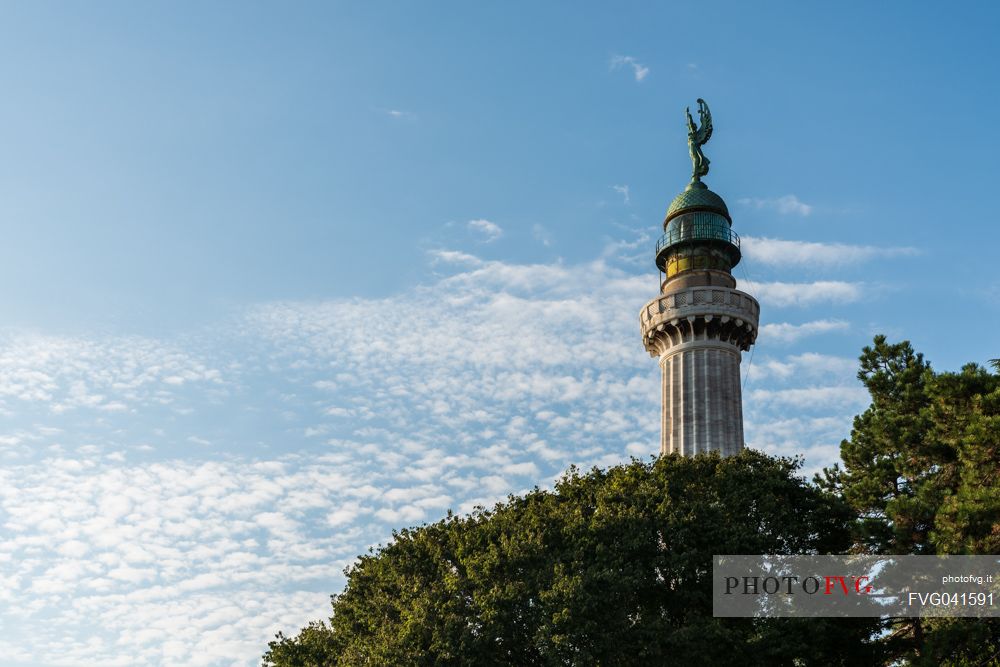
(702, 404)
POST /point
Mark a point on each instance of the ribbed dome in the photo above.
(697, 198)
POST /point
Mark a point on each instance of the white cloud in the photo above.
(490, 230)
(454, 257)
(136, 546)
(541, 234)
(780, 252)
(399, 114)
(788, 204)
(407, 514)
(623, 191)
(331, 423)
(527, 468)
(785, 332)
(67, 374)
(814, 398)
(806, 365)
(781, 294)
(817, 438)
(638, 70)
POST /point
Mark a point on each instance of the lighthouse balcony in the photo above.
(698, 229)
(695, 311)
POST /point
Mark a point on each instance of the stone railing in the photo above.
(695, 301)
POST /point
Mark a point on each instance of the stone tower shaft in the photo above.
(698, 333)
(699, 326)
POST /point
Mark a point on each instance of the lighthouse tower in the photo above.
(700, 324)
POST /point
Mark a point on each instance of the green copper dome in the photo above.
(697, 198)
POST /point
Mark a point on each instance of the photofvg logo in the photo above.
(791, 584)
(859, 586)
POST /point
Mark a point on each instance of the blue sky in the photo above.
(277, 280)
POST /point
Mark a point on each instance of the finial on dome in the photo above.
(698, 137)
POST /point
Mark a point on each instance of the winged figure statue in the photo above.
(698, 137)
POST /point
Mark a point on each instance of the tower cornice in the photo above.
(699, 313)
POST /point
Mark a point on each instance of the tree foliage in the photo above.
(613, 567)
(885, 473)
(922, 471)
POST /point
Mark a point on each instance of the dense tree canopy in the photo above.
(922, 472)
(613, 567)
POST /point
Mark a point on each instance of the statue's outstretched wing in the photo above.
(705, 131)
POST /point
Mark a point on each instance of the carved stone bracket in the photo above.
(699, 316)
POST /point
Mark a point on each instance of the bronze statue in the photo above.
(698, 137)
